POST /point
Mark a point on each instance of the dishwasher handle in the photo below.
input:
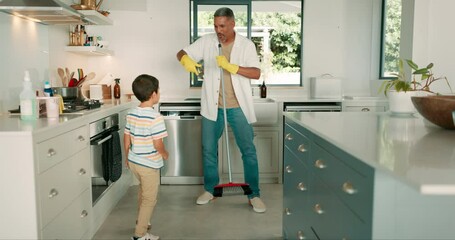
(190, 117)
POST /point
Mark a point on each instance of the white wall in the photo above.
(341, 37)
(23, 46)
(434, 36)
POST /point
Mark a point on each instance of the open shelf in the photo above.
(89, 50)
(95, 17)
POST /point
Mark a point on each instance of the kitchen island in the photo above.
(367, 176)
(46, 175)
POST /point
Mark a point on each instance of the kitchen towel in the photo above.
(115, 166)
(106, 159)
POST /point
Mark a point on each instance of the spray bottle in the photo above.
(28, 100)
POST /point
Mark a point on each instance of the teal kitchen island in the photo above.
(351, 175)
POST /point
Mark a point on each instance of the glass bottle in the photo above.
(117, 88)
(263, 90)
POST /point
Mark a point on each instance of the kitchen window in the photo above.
(274, 26)
(390, 41)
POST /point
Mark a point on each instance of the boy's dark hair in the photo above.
(144, 86)
(224, 12)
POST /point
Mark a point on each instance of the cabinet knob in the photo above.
(82, 172)
(365, 109)
(288, 169)
(81, 138)
(301, 148)
(84, 214)
(287, 211)
(349, 188)
(289, 137)
(320, 164)
(318, 209)
(53, 193)
(51, 152)
(301, 186)
(300, 235)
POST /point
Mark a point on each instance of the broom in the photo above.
(229, 188)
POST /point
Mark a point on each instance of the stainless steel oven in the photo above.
(100, 134)
(312, 107)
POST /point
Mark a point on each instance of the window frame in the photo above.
(193, 9)
(383, 42)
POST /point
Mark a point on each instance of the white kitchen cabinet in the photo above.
(365, 105)
(266, 141)
(54, 170)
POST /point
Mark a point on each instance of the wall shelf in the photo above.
(95, 17)
(89, 50)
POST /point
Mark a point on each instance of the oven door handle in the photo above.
(101, 141)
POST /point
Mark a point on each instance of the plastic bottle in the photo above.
(117, 88)
(263, 90)
(48, 92)
(28, 100)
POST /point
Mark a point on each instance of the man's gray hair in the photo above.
(224, 12)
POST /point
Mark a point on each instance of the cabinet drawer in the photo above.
(55, 150)
(297, 143)
(355, 188)
(332, 219)
(62, 183)
(295, 197)
(365, 109)
(73, 222)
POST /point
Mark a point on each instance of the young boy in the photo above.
(144, 149)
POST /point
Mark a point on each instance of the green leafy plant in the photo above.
(421, 79)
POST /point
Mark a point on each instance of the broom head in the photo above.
(232, 189)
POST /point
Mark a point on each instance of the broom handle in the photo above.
(225, 117)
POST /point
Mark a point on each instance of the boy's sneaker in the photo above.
(257, 204)
(147, 236)
(205, 198)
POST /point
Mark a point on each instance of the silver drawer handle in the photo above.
(53, 193)
(301, 186)
(288, 169)
(349, 188)
(82, 172)
(289, 137)
(287, 211)
(318, 209)
(320, 164)
(301, 148)
(300, 235)
(365, 110)
(51, 152)
(81, 138)
(84, 214)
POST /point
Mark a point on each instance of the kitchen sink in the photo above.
(266, 111)
(263, 100)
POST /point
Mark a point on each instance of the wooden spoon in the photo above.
(61, 73)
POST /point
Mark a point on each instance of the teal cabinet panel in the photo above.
(298, 144)
(354, 188)
(337, 200)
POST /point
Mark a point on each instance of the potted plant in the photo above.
(400, 89)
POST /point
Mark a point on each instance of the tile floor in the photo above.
(177, 216)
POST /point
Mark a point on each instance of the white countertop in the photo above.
(407, 147)
(12, 124)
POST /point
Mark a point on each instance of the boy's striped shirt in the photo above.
(144, 125)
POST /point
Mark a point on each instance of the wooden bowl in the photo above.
(436, 109)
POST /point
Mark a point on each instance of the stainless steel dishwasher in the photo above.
(184, 142)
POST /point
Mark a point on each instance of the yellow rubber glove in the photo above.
(223, 62)
(190, 65)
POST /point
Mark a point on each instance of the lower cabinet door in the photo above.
(73, 222)
(295, 200)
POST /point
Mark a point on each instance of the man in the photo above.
(240, 64)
